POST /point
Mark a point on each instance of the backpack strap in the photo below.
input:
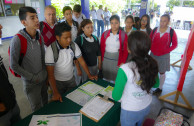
(55, 51)
(41, 26)
(23, 49)
(105, 34)
(95, 38)
(75, 24)
(171, 33)
(81, 40)
(72, 46)
(154, 30)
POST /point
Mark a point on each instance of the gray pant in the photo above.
(64, 86)
(36, 94)
(10, 117)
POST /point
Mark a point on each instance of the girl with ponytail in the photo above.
(135, 80)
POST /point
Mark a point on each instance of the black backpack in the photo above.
(171, 32)
(56, 50)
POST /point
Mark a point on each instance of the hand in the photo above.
(57, 97)
(93, 77)
(2, 107)
(79, 72)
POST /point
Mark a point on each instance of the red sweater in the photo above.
(123, 53)
(162, 46)
(48, 34)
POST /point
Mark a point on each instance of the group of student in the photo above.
(65, 54)
(102, 18)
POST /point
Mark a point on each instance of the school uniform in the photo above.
(161, 48)
(80, 19)
(100, 22)
(94, 18)
(135, 102)
(128, 33)
(107, 16)
(90, 49)
(113, 53)
(63, 68)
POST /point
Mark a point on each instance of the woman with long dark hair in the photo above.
(145, 24)
(90, 48)
(113, 47)
(135, 80)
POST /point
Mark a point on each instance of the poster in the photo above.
(8, 10)
(8, 1)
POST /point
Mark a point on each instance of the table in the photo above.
(111, 118)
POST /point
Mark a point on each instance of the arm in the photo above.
(119, 85)
(52, 82)
(15, 47)
(85, 67)
(79, 72)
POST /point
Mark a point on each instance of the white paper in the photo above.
(91, 88)
(80, 97)
(74, 119)
(97, 107)
(107, 91)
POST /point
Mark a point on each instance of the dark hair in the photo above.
(23, 12)
(139, 44)
(115, 17)
(77, 8)
(166, 15)
(129, 16)
(83, 24)
(66, 8)
(148, 29)
(136, 25)
(61, 27)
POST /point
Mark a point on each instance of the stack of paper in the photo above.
(107, 91)
(96, 108)
(74, 119)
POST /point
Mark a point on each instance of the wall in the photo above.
(11, 24)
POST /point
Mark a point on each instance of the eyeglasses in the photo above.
(145, 21)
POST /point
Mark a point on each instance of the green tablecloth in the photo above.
(111, 118)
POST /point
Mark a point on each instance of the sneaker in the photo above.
(157, 92)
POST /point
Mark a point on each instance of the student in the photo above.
(107, 16)
(113, 49)
(129, 22)
(9, 109)
(77, 14)
(60, 69)
(90, 48)
(48, 25)
(135, 80)
(67, 12)
(162, 44)
(94, 17)
(32, 69)
(100, 22)
(145, 24)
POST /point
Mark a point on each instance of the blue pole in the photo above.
(143, 8)
(47, 2)
(85, 8)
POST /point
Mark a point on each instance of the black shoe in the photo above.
(157, 92)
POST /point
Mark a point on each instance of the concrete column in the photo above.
(144, 7)
(47, 2)
(85, 8)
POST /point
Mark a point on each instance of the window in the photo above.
(11, 7)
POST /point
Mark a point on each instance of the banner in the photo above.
(186, 59)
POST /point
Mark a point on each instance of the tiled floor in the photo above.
(169, 86)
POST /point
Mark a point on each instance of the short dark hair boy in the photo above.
(32, 67)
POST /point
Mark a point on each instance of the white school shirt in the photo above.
(143, 30)
(100, 12)
(112, 43)
(63, 68)
(161, 34)
(80, 19)
(133, 97)
(107, 15)
(94, 14)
